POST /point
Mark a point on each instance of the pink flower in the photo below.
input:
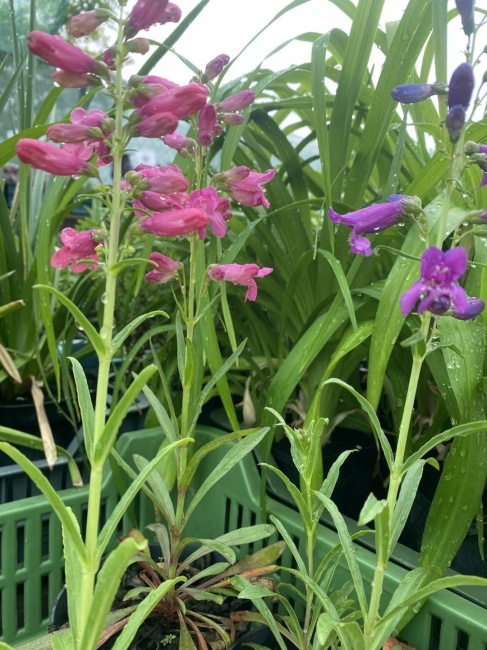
(245, 186)
(176, 222)
(208, 127)
(158, 202)
(151, 12)
(77, 246)
(181, 101)
(85, 135)
(61, 54)
(238, 101)
(52, 159)
(217, 209)
(239, 274)
(166, 179)
(156, 126)
(164, 270)
(74, 80)
(180, 142)
(232, 119)
(86, 22)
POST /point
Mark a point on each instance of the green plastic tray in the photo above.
(446, 622)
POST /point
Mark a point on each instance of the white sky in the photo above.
(226, 26)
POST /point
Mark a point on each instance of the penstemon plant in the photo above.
(151, 202)
(447, 338)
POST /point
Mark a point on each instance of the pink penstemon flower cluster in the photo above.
(163, 202)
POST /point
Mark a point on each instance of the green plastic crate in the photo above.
(446, 622)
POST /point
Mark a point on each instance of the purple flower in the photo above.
(412, 93)
(455, 121)
(373, 218)
(465, 9)
(474, 307)
(461, 86)
(214, 67)
(217, 209)
(437, 289)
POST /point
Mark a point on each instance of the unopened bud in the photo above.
(214, 67)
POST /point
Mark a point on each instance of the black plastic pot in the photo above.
(261, 636)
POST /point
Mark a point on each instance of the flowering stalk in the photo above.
(93, 515)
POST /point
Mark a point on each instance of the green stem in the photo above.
(92, 551)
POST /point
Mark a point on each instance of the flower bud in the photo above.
(146, 13)
(475, 306)
(180, 101)
(163, 270)
(86, 22)
(238, 101)
(413, 93)
(465, 9)
(75, 80)
(137, 46)
(72, 133)
(455, 121)
(214, 67)
(232, 119)
(156, 126)
(61, 54)
(471, 148)
(177, 222)
(51, 159)
(461, 86)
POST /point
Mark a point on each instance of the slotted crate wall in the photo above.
(31, 551)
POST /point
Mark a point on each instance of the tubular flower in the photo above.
(238, 101)
(167, 180)
(180, 101)
(86, 22)
(165, 268)
(475, 306)
(455, 121)
(158, 202)
(52, 159)
(437, 288)
(151, 12)
(145, 88)
(77, 246)
(373, 218)
(183, 145)
(217, 210)
(156, 126)
(95, 124)
(214, 67)
(61, 54)
(245, 186)
(208, 127)
(239, 274)
(75, 80)
(176, 222)
(413, 93)
(465, 9)
(461, 86)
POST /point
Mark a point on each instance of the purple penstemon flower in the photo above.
(374, 218)
(438, 290)
(413, 93)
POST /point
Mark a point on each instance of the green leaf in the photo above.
(296, 495)
(119, 339)
(85, 405)
(231, 458)
(109, 434)
(290, 544)
(246, 535)
(64, 514)
(371, 509)
(348, 550)
(374, 420)
(143, 610)
(34, 442)
(107, 584)
(160, 490)
(189, 365)
(161, 415)
(79, 317)
(115, 516)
